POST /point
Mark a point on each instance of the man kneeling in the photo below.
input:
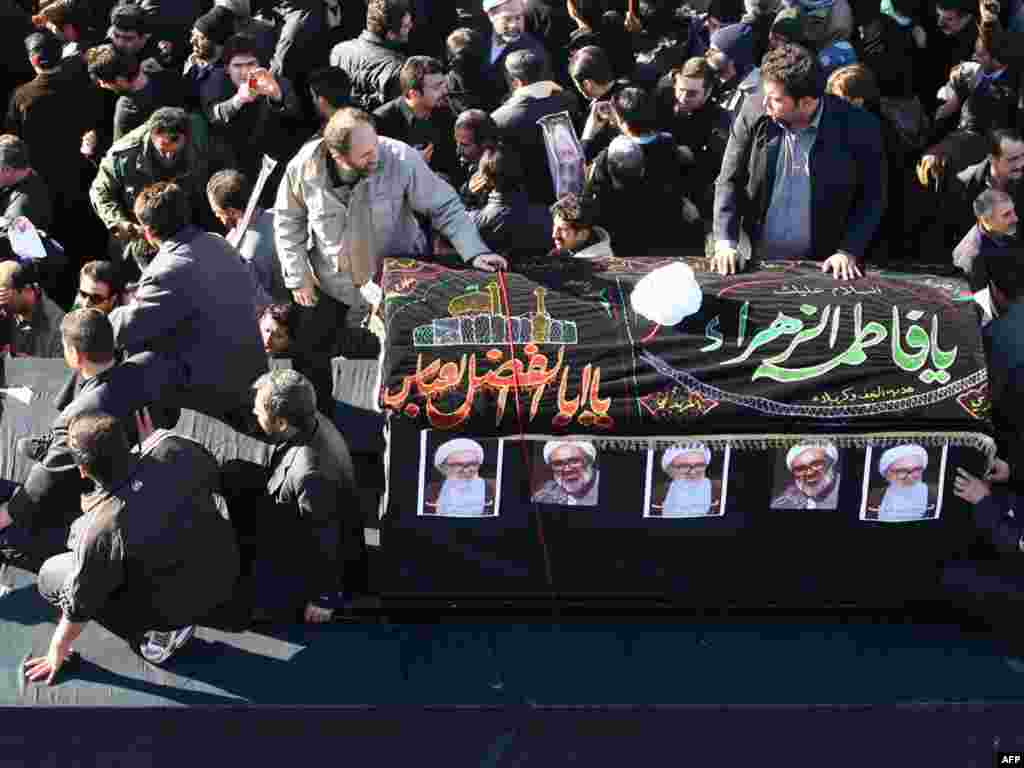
(151, 556)
(289, 515)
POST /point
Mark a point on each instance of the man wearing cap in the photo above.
(508, 35)
(462, 493)
(576, 479)
(691, 493)
(907, 496)
(731, 56)
(815, 482)
(209, 33)
(171, 145)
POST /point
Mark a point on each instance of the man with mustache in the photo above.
(171, 146)
(907, 496)
(462, 493)
(691, 493)
(989, 239)
(209, 33)
(575, 476)
(815, 482)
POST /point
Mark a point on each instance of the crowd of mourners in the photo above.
(192, 190)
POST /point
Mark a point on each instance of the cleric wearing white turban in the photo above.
(575, 478)
(907, 496)
(815, 479)
(463, 493)
(689, 493)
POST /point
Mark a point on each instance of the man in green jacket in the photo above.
(171, 146)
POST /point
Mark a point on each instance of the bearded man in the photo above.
(575, 475)
(462, 493)
(815, 483)
(691, 493)
(907, 496)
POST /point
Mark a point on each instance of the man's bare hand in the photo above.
(265, 84)
(306, 295)
(970, 488)
(490, 262)
(842, 266)
(5, 516)
(478, 183)
(144, 424)
(314, 614)
(726, 260)
(428, 153)
(998, 473)
(633, 22)
(89, 142)
(929, 170)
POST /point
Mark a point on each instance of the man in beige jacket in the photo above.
(349, 200)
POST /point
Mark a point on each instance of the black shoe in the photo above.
(34, 448)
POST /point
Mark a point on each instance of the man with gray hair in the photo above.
(815, 481)
(996, 228)
(291, 514)
(575, 480)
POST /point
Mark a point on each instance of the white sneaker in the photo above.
(158, 647)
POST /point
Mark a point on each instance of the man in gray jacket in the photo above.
(351, 199)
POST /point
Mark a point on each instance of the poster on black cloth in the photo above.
(557, 349)
(774, 359)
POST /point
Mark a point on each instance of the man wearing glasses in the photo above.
(908, 496)
(462, 493)
(575, 477)
(815, 479)
(100, 286)
(691, 493)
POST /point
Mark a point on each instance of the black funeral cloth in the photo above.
(557, 348)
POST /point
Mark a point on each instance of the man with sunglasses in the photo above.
(907, 496)
(815, 478)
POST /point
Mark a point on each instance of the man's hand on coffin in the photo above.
(999, 472)
(726, 260)
(842, 266)
(490, 262)
(929, 171)
(305, 294)
(970, 488)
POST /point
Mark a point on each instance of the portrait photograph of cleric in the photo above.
(459, 477)
(903, 483)
(807, 476)
(686, 481)
(565, 473)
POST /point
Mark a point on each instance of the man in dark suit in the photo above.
(462, 493)
(805, 178)
(294, 514)
(48, 500)
(533, 97)
(194, 303)
(151, 556)
(420, 116)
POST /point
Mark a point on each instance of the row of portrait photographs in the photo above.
(461, 477)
